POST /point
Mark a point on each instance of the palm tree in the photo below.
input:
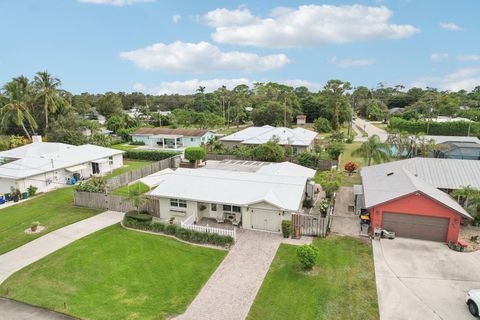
(16, 109)
(373, 149)
(47, 91)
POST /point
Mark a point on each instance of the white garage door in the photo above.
(266, 220)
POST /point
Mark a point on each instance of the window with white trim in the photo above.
(230, 208)
(178, 203)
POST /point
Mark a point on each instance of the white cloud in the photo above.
(201, 57)
(305, 26)
(450, 26)
(438, 57)
(189, 86)
(348, 63)
(176, 18)
(461, 79)
(118, 3)
(472, 57)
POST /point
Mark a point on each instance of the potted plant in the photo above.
(34, 226)
(171, 220)
(16, 194)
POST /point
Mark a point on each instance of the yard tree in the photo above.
(373, 150)
(307, 255)
(330, 181)
(350, 167)
(47, 89)
(109, 104)
(337, 101)
(272, 113)
(15, 111)
(322, 125)
(270, 151)
(308, 159)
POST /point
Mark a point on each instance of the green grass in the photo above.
(117, 274)
(341, 286)
(123, 191)
(53, 210)
(124, 147)
(354, 178)
(128, 165)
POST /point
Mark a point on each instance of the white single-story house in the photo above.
(299, 139)
(50, 165)
(258, 200)
(176, 139)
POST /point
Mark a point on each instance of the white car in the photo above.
(473, 301)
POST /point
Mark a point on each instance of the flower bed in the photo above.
(174, 230)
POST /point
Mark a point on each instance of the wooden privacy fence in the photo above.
(114, 203)
(127, 177)
(310, 225)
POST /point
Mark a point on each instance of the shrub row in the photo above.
(452, 128)
(181, 233)
(148, 155)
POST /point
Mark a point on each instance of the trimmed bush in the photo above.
(174, 230)
(95, 184)
(307, 255)
(32, 190)
(171, 229)
(286, 228)
(148, 155)
(138, 216)
(195, 153)
(137, 143)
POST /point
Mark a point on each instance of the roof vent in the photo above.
(389, 174)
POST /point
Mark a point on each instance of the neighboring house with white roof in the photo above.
(410, 196)
(50, 165)
(299, 139)
(173, 139)
(258, 200)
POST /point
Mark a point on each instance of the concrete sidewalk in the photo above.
(231, 290)
(14, 310)
(21, 257)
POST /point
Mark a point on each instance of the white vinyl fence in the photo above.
(188, 224)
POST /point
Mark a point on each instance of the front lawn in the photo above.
(123, 191)
(53, 210)
(341, 286)
(128, 165)
(117, 274)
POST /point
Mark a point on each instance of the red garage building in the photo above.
(401, 201)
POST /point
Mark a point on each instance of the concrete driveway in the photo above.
(21, 257)
(423, 280)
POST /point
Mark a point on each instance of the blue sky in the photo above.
(174, 46)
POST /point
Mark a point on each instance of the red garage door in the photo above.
(416, 226)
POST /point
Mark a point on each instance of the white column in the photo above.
(163, 143)
(175, 142)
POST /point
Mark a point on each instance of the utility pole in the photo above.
(285, 111)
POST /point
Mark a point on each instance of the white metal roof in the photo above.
(389, 181)
(35, 161)
(231, 187)
(285, 136)
(155, 178)
(34, 149)
(287, 169)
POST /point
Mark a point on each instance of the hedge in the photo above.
(181, 233)
(148, 155)
(195, 153)
(138, 216)
(452, 128)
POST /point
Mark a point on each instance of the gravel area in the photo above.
(232, 288)
(466, 233)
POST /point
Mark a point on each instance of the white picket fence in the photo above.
(188, 224)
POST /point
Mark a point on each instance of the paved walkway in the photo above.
(232, 288)
(21, 257)
(370, 129)
(13, 310)
(345, 221)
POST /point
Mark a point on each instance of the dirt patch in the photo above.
(466, 234)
